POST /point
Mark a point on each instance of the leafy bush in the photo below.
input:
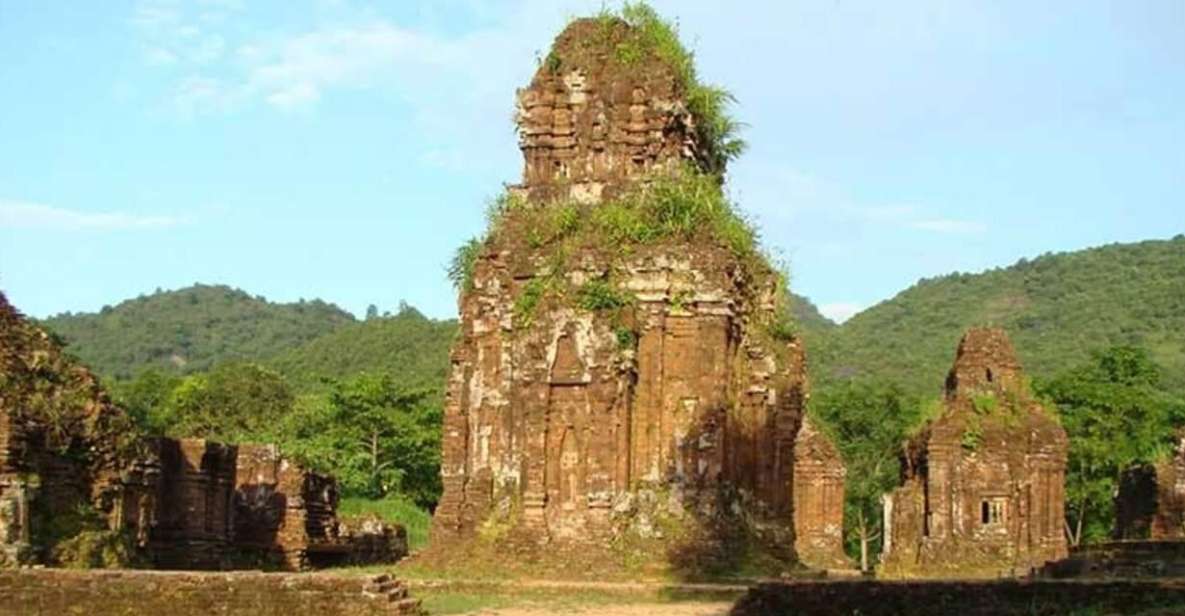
(460, 269)
(651, 36)
(599, 295)
(526, 302)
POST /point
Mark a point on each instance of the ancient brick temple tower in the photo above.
(576, 427)
(983, 490)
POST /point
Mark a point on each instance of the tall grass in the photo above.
(396, 508)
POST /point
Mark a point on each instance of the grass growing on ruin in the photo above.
(397, 509)
(651, 37)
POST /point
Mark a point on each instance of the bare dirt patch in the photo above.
(637, 609)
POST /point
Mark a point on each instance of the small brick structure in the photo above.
(1151, 500)
(285, 513)
(194, 518)
(984, 483)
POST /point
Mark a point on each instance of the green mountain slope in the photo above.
(191, 329)
(1058, 308)
(808, 316)
(409, 346)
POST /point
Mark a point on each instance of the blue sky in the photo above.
(341, 150)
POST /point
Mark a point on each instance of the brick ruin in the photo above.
(983, 484)
(564, 431)
(80, 487)
(1151, 500)
(818, 499)
(37, 591)
(62, 446)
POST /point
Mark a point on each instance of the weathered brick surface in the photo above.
(1169, 520)
(194, 518)
(72, 465)
(983, 489)
(559, 430)
(818, 499)
(586, 132)
(50, 592)
(63, 444)
(1150, 503)
(938, 598)
(1121, 559)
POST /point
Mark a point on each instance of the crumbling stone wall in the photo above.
(283, 513)
(983, 485)
(1151, 500)
(62, 450)
(587, 130)
(194, 518)
(79, 486)
(572, 427)
(1169, 521)
(50, 592)
(286, 516)
(818, 499)
(966, 598)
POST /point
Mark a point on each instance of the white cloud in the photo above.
(23, 215)
(948, 225)
(159, 56)
(840, 311)
(452, 83)
(172, 31)
(197, 94)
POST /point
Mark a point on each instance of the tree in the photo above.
(372, 312)
(375, 436)
(867, 421)
(232, 403)
(145, 398)
(1117, 416)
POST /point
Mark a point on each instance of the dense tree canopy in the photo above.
(375, 436)
(868, 421)
(233, 403)
(1117, 415)
(190, 330)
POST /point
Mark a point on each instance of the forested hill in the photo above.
(408, 346)
(191, 329)
(810, 320)
(1058, 308)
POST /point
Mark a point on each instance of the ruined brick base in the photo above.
(1000, 598)
(33, 592)
(1122, 559)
